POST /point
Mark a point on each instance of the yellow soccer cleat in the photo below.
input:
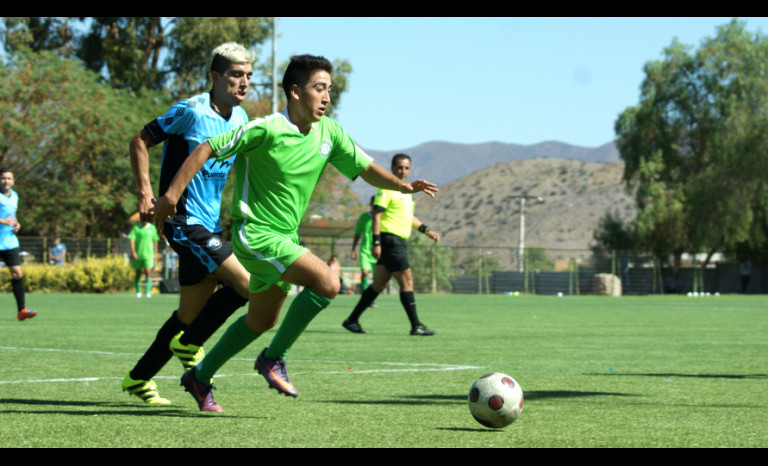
(189, 355)
(144, 389)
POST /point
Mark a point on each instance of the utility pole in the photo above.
(274, 64)
(521, 237)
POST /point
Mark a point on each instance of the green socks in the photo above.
(234, 340)
(147, 285)
(303, 309)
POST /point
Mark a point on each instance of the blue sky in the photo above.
(475, 80)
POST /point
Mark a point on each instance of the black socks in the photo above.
(222, 304)
(158, 353)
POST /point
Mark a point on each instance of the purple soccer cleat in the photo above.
(274, 371)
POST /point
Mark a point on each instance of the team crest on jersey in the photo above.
(325, 148)
(214, 243)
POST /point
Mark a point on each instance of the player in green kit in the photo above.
(279, 161)
(363, 235)
(143, 239)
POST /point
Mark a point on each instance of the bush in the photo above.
(96, 275)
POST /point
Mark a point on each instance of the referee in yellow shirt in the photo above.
(393, 220)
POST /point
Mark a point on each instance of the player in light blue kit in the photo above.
(205, 259)
(9, 243)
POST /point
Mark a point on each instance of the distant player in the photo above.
(205, 259)
(363, 235)
(9, 243)
(143, 239)
(279, 160)
(393, 221)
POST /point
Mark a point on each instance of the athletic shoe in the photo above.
(274, 371)
(144, 389)
(422, 330)
(148, 295)
(138, 295)
(26, 314)
(189, 355)
(201, 392)
(353, 327)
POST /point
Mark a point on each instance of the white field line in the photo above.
(395, 367)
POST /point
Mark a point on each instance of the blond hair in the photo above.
(230, 52)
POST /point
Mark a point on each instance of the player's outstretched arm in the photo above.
(165, 207)
(377, 176)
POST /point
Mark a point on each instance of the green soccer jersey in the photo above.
(144, 238)
(278, 167)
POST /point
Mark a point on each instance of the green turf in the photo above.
(651, 371)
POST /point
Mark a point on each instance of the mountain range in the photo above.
(442, 162)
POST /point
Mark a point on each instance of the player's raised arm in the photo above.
(377, 176)
(165, 207)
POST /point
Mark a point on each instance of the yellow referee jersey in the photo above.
(397, 218)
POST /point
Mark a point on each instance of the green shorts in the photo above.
(367, 262)
(141, 264)
(265, 255)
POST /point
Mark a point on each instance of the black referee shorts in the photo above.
(394, 253)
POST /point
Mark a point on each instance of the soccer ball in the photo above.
(495, 400)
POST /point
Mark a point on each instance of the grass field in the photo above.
(656, 371)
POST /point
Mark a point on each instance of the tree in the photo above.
(38, 34)
(612, 235)
(65, 134)
(696, 145)
(126, 49)
(67, 122)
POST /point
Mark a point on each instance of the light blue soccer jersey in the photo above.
(184, 126)
(8, 206)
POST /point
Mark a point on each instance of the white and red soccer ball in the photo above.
(495, 400)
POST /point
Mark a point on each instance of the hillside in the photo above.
(442, 162)
(476, 207)
(480, 210)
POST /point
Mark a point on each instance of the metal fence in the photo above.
(484, 270)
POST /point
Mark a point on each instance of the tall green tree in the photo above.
(65, 134)
(38, 33)
(696, 146)
(126, 50)
(66, 123)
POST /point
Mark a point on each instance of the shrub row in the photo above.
(96, 275)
